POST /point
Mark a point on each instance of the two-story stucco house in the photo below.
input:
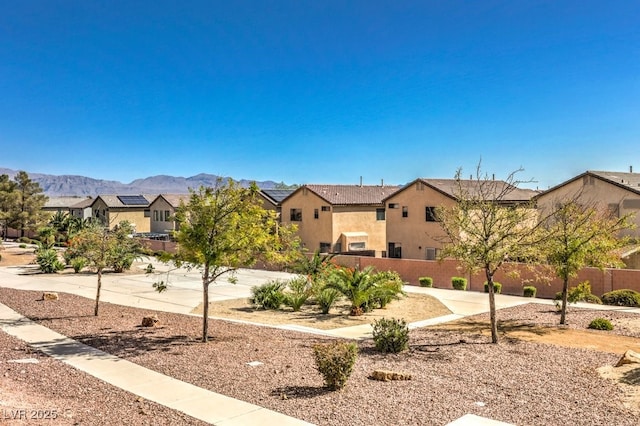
(113, 209)
(339, 218)
(413, 229)
(617, 191)
(162, 208)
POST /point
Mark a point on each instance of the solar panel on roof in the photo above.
(133, 200)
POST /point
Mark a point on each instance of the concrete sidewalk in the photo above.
(187, 398)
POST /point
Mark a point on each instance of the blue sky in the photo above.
(324, 91)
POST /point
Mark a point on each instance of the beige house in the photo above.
(113, 209)
(82, 209)
(162, 208)
(272, 199)
(617, 191)
(413, 229)
(339, 218)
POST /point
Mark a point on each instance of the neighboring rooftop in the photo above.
(338, 195)
(276, 195)
(628, 179)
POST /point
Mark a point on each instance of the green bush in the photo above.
(298, 292)
(48, 261)
(326, 297)
(78, 264)
(391, 335)
(388, 287)
(497, 287)
(335, 362)
(459, 283)
(22, 246)
(426, 281)
(624, 297)
(601, 324)
(592, 298)
(529, 291)
(268, 295)
(25, 240)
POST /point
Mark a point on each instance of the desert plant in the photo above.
(150, 269)
(298, 291)
(459, 283)
(391, 335)
(335, 362)
(78, 263)
(356, 285)
(425, 281)
(624, 297)
(387, 287)
(22, 246)
(592, 298)
(601, 324)
(325, 298)
(497, 287)
(579, 293)
(48, 261)
(529, 291)
(268, 295)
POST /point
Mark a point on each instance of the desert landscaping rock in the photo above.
(50, 296)
(519, 382)
(629, 357)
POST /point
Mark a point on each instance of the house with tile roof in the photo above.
(162, 209)
(113, 209)
(617, 191)
(413, 229)
(339, 218)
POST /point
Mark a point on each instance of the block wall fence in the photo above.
(411, 270)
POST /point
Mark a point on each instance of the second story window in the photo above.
(296, 215)
(405, 211)
(430, 213)
(315, 213)
(379, 214)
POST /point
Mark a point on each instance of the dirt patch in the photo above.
(411, 308)
(16, 256)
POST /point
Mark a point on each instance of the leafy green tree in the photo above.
(225, 227)
(8, 202)
(27, 214)
(102, 248)
(484, 229)
(578, 236)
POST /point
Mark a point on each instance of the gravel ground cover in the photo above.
(454, 371)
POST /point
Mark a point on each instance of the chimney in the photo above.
(382, 183)
(493, 177)
(360, 180)
(630, 169)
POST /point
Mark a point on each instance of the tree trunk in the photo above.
(565, 296)
(205, 302)
(492, 309)
(95, 309)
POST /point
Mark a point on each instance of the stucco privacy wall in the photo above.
(441, 272)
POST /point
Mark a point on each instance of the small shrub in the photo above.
(529, 291)
(150, 269)
(298, 292)
(592, 298)
(601, 324)
(426, 281)
(326, 297)
(391, 335)
(624, 297)
(22, 246)
(388, 287)
(459, 283)
(78, 264)
(335, 362)
(48, 261)
(268, 295)
(497, 287)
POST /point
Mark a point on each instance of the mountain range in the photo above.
(59, 185)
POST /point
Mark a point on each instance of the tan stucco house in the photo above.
(339, 218)
(113, 209)
(162, 208)
(413, 229)
(617, 191)
(272, 199)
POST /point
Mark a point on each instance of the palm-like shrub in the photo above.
(356, 285)
(268, 295)
(48, 261)
(388, 287)
(298, 291)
